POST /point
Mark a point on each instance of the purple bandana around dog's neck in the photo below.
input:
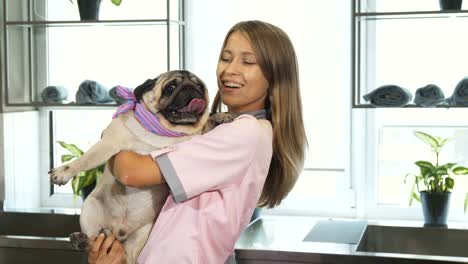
(147, 119)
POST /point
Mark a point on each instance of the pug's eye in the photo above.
(169, 89)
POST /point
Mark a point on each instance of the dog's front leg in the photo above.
(113, 139)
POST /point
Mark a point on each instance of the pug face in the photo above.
(178, 98)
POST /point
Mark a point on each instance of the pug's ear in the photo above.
(141, 89)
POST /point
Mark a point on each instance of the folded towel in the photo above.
(116, 97)
(91, 92)
(429, 96)
(389, 96)
(460, 94)
(54, 94)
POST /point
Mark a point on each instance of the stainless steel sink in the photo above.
(416, 241)
(38, 224)
(38, 238)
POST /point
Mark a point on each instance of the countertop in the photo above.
(281, 238)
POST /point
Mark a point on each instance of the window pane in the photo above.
(96, 53)
(82, 128)
(399, 149)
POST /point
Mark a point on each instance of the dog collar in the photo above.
(146, 118)
(259, 114)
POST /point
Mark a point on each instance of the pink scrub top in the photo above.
(216, 180)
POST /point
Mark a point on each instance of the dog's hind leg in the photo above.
(92, 222)
(136, 241)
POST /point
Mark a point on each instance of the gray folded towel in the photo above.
(460, 94)
(113, 94)
(54, 94)
(92, 92)
(389, 96)
(429, 96)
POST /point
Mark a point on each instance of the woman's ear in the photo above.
(143, 88)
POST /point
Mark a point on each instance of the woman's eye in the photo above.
(225, 59)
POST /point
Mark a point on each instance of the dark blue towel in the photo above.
(460, 94)
(54, 94)
(92, 92)
(430, 96)
(389, 96)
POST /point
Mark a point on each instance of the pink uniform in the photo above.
(216, 180)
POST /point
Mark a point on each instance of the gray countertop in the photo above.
(282, 238)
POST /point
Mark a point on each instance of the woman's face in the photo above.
(240, 79)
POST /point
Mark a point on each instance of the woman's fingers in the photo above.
(117, 252)
(107, 244)
(94, 251)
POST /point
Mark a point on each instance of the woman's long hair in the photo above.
(277, 59)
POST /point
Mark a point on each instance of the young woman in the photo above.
(217, 179)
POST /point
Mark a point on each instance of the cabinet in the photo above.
(45, 44)
(410, 44)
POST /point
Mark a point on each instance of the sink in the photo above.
(38, 224)
(414, 240)
(38, 237)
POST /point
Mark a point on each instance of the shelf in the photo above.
(399, 44)
(412, 15)
(46, 44)
(74, 23)
(71, 105)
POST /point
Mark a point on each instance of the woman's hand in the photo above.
(135, 170)
(106, 250)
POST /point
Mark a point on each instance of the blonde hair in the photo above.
(277, 59)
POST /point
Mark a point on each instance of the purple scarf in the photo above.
(147, 119)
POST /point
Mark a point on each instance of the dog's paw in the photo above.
(218, 119)
(79, 241)
(61, 175)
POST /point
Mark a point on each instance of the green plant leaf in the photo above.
(466, 203)
(116, 2)
(460, 170)
(72, 148)
(67, 157)
(432, 141)
(446, 140)
(448, 165)
(424, 164)
(449, 182)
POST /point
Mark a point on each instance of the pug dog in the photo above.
(179, 99)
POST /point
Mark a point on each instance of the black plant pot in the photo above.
(89, 9)
(87, 190)
(450, 4)
(435, 208)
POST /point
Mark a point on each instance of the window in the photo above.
(411, 52)
(47, 45)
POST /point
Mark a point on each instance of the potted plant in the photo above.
(85, 181)
(438, 182)
(89, 9)
(450, 4)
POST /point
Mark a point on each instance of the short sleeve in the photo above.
(214, 160)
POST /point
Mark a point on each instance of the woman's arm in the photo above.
(135, 170)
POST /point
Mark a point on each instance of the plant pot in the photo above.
(450, 4)
(87, 190)
(89, 9)
(435, 208)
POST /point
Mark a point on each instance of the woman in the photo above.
(217, 179)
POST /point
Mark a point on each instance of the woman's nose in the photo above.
(232, 68)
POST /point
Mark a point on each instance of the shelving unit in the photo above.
(37, 48)
(409, 44)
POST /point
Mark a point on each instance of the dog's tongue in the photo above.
(196, 105)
